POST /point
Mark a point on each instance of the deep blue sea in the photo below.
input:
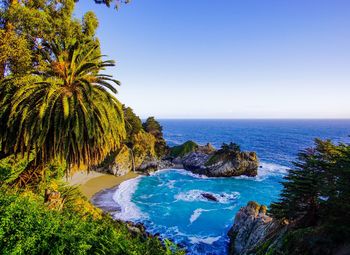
(169, 202)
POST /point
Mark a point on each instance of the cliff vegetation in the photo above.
(59, 113)
(312, 215)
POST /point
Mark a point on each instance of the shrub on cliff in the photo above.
(183, 149)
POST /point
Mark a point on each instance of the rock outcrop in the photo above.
(251, 228)
(225, 162)
(139, 156)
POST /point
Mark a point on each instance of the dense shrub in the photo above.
(27, 226)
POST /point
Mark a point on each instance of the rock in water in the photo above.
(210, 197)
(220, 163)
(241, 163)
(195, 162)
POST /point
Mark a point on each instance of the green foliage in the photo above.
(27, 226)
(317, 191)
(153, 127)
(226, 152)
(57, 110)
(67, 114)
(26, 25)
(89, 24)
(10, 168)
(133, 125)
(183, 149)
(144, 146)
(305, 241)
(231, 147)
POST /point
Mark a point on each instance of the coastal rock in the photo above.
(251, 227)
(151, 164)
(243, 163)
(195, 162)
(117, 163)
(123, 162)
(225, 162)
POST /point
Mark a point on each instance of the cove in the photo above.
(170, 203)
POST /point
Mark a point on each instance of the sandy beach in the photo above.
(93, 182)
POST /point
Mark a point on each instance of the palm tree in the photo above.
(68, 113)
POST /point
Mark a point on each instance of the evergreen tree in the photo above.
(317, 191)
(152, 126)
(133, 124)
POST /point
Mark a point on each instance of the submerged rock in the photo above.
(210, 197)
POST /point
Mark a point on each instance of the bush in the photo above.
(27, 226)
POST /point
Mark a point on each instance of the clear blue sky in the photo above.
(229, 58)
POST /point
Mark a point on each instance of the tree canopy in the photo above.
(317, 191)
(55, 102)
(152, 126)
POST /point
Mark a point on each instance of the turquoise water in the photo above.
(169, 202)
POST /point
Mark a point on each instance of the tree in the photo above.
(65, 112)
(153, 127)
(317, 191)
(133, 124)
(230, 148)
(26, 25)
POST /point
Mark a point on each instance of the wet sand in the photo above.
(93, 182)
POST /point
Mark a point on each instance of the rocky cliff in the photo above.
(256, 233)
(252, 229)
(139, 156)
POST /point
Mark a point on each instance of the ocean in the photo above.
(169, 202)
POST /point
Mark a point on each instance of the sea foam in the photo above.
(206, 240)
(197, 195)
(267, 170)
(196, 214)
(123, 197)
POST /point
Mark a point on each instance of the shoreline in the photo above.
(94, 182)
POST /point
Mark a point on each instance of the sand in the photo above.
(93, 182)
